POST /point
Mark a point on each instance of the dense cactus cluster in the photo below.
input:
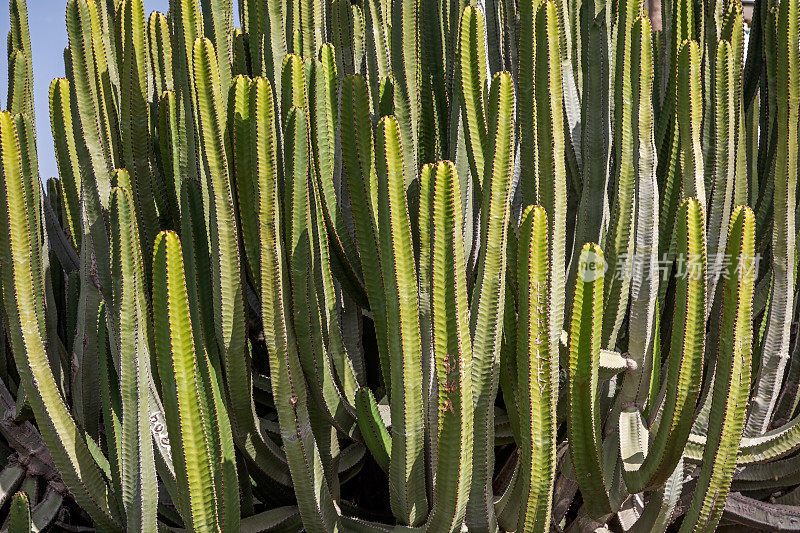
(404, 265)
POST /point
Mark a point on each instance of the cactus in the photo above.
(391, 265)
(486, 316)
(731, 380)
(452, 357)
(19, 519)
(136, 460)
(583, 420)
(784, 263)
(535, 383)
(185, 381)
(684, 372)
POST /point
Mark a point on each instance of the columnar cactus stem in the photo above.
(535, 385)
(784, 263)
(732, 378)
(137, 464)
(584, 362)
(453, 357)
(486, 316)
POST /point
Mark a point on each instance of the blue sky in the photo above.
(48, 39)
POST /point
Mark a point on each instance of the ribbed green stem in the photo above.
(452, 354)
(651, 466)
(288, 384)
(66, 442)
(731, 380)
(19, 516)
(487, 299)
(359, 162)
(66, 155)
(189, 408)
(407, 467)
(226, 286)
(784, 174)
(537, 391)
(583, 419)
(138, 471)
